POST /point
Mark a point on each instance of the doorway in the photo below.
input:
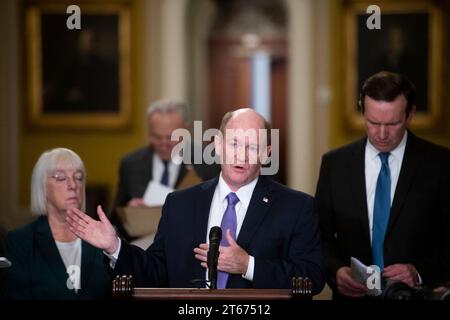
(247, 64)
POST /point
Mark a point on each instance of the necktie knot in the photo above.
(384, 156)
(232, 199)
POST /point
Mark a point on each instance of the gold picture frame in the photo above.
(78, 79)
(409, 42)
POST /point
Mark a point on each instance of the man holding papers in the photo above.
(384, 199)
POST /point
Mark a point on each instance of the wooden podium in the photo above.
(123, 288)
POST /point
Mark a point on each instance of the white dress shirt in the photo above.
(71, 256)
(372, 170)
(219, 205)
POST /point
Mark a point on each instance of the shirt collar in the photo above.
(398, 152)
(175, 160)
(244, 193)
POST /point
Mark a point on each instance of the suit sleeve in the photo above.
(445, 214)
(148, 267)
(434, 268)
(327, 224)
(304, 256)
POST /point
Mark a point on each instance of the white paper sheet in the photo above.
(156, 193)
(362, 273)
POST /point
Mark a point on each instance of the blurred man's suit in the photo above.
(136, 170)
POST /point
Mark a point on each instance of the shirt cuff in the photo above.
(250, 269)
(114, 256)
(419, 281)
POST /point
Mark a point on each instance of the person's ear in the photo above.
(265, 154)
(411, 115)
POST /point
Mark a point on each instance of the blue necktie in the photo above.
(381, 210)
(229, 221)
(165, 175)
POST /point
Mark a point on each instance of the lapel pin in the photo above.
(265, 200)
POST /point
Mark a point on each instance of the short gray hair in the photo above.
(167, 106)
(48, 162)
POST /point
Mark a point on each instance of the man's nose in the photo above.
(383, 132)
(166, 142)
(241, 154)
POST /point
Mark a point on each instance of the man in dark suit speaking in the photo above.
(384, 199)
(270, 232)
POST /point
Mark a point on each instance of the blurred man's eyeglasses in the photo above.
(62, 177)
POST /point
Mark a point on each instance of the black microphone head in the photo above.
(215, 234)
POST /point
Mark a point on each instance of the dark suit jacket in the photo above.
(38, 271)
(136, 172)
(418, 227)
(282, 234)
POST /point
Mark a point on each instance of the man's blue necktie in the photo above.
(229, 221)
(165, 175)
(381, 210)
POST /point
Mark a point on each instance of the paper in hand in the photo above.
(366, 275)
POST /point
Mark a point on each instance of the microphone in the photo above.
(215, 235)
(4, 263)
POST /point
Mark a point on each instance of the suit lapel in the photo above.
(408, 171)
(202, 208)
(256, 211)
(357, 179)
(87, 264)
(147, 165)
(46, 247)
(181, 174)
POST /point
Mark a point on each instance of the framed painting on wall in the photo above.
(409, 42)
(78, 78)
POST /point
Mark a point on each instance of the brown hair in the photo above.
(387, 86)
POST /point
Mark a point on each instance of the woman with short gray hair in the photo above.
(48, 260)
